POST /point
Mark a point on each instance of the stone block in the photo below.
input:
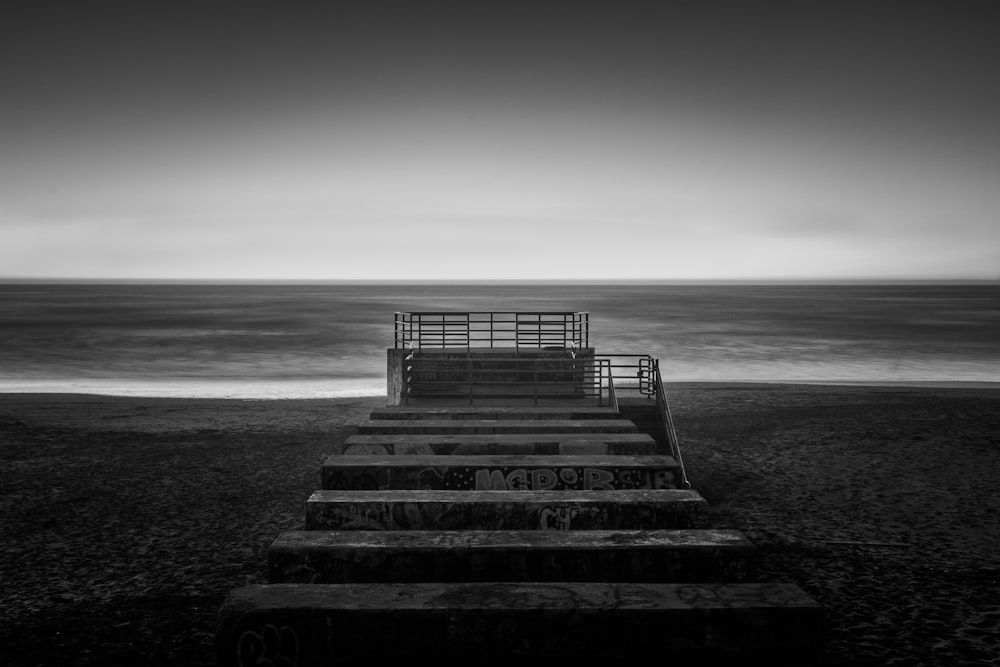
(499, 443)
(500, 472)
(487, 426)
(401, 412)
(534, 623)
(505, 510)
(668, 556)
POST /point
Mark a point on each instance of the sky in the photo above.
(499, 140)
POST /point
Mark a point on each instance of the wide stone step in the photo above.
(496, 623)
(514, 472)
(468, 426)
(399, 412)
(638, 509)
(677, 556)
(635, 444)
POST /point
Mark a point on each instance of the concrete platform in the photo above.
(469, 426)
(636, 444)
(667, 556)
(637, 509)
(500, 472)
(399, 412)
(531, 623)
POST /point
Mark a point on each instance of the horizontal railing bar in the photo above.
(479, 361)
(522, 330)
(494, 313)
(444, 329)
(450, 377)
(424, 332)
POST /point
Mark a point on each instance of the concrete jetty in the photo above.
(520, 497)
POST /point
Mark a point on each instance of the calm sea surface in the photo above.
(324, 340)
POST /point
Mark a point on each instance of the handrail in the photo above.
(668, 420)
(457, 329)
(646, 379)
(640, 372)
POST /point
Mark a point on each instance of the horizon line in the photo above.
(7, 280)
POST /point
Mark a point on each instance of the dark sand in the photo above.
(126, 521)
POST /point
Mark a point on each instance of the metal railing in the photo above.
(532, 378)
(633, 373)
(640, 374)
(522, 374)
(532, 329)
(668, 420)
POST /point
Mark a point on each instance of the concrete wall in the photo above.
(577, 366)
(394, 375)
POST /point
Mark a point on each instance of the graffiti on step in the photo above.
(272, 646)
(496, 514)
(500, 478)
(544, 479)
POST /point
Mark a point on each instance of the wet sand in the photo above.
(126, 521)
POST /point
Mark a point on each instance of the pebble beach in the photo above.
(127, 520)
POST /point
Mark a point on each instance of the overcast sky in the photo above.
(498, 140)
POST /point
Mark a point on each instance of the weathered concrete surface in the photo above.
(635, 444)
(499, 372)
(500, 472)
(496, 622)
(505, 510)
(394, 380)
(669, 556)
(485, 426)
(401, 412)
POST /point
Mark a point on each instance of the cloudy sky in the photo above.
(499, 140)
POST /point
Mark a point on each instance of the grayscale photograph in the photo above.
(499, 333)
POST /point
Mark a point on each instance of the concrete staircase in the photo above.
(499, 533)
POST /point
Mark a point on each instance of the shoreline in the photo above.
(354, 394)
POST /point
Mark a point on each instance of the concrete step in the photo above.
(531, 623)
(675, 556)
(520, 472)
(397, 412)
(466, 426)
(636, 509)
(635, 444)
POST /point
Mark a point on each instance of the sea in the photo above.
(323, 340)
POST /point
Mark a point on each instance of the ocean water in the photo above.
(327, 340)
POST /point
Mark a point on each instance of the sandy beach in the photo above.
(126, 521)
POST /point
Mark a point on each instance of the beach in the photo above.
(127, 520)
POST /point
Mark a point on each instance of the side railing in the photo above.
(528, 329)
(502, 376)
(639, 374)
(668, 420)
(633, 373)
